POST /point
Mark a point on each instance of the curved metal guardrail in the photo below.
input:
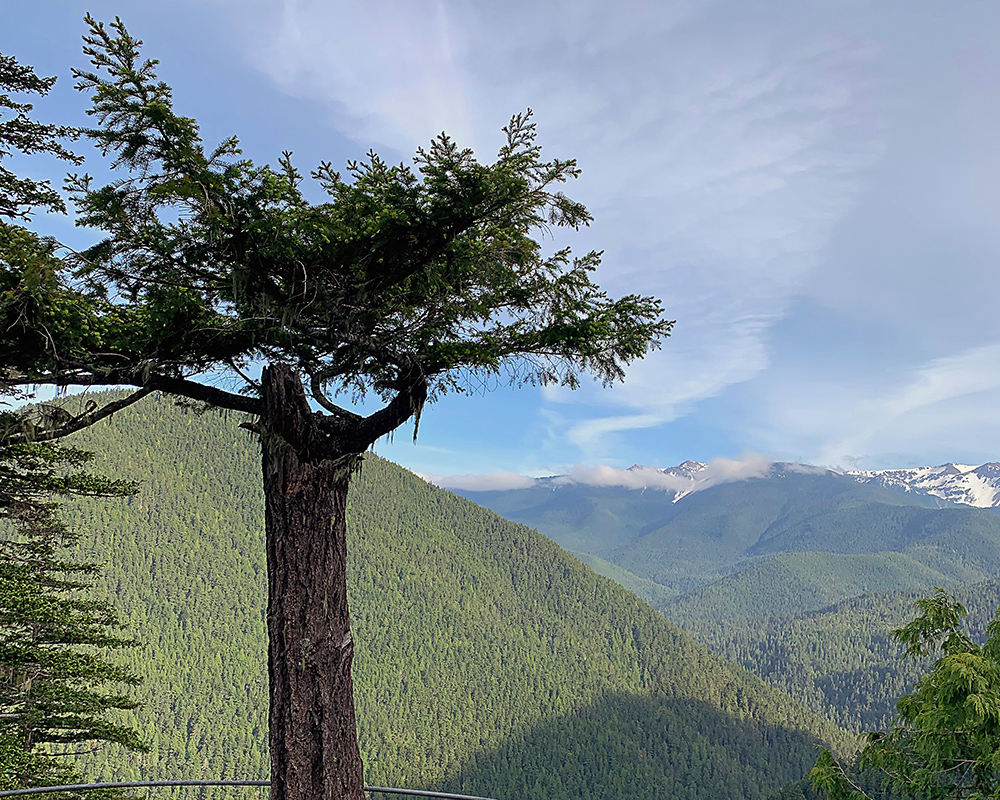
(82, 787)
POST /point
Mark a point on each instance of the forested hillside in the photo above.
(799, 577)
(795, 583)
(488, 660)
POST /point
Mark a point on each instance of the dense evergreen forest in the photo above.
(798, 577)
(841, 661)
(489, 660)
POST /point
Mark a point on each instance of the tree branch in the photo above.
(163, 383)
(201, 391)
(316, 390)
(407, 403)
(80, 422)
(146, 383)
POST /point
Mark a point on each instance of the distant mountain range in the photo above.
(961, 484)
(712, 533)
(798, 572)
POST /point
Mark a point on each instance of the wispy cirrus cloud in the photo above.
(809, 187)
(736, 157)
(920, 408)
(388, 72)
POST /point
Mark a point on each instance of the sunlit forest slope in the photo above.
(489, 661)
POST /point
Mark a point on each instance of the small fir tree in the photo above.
(53, 637)
(945, 741)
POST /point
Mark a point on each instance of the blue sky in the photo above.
(810, 187)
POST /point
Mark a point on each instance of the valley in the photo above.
(797, 573)
(490, 660)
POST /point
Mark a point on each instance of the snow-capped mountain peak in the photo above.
(688, 469)
(958, 483)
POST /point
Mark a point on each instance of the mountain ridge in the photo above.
(951, 482)
(964, 484)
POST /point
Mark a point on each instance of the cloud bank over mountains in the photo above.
(685, 478)
(961, 484)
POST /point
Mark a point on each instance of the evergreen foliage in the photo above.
(53, 677)
(488, 661)
(794, 583)
(19, 132)
(656, 594)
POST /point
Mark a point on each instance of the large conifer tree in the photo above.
(406, 284)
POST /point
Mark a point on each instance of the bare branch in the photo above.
(232, 365)
(316, 390)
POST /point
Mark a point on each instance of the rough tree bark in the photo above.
(313, 732)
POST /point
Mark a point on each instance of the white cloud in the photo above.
(717, 471)
(638, 478)
(727, 470)
(388, 71)
(488, 482)
(585, 434)
(974, 370)
(805, 469)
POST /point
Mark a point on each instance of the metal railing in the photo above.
(83, 787)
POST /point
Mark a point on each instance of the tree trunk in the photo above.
(313, 734)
